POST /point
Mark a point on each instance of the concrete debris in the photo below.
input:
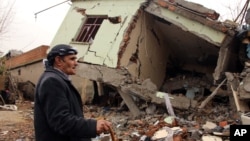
(164, 133)
(209, 125)
(102, 137)
(169, 120)
(169, 105)
(203, 126)
(179, 127)
(245, 117)
(4, 133)
(143, 138)
(9, 107)
(151, 109)
(177, 101)
(155, 84)
(196, 135)
(211, 138)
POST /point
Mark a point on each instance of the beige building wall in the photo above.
(110, 38)
(152, 53)
(105, 47)
(29, 72)
(32, 72)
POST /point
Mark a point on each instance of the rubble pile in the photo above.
(213, 122)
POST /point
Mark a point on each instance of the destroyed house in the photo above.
(144, 47)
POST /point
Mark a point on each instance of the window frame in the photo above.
(89, 28)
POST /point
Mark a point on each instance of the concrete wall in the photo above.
(134, 33)
(28, 57)
(104, 49)
(29, 72)
(29, 65)
(32, 72)
(152, 52)
(78, 82)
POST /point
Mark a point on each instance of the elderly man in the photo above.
(58, 113)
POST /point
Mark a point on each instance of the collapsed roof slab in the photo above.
(208, 30)
(201, 22)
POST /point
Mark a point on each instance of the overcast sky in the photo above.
(27, 32)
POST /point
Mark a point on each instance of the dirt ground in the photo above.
(17, 125)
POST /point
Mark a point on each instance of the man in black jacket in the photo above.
(58, 113)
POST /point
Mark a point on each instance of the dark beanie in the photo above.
(60, 50)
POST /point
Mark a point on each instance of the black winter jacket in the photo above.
(58, 113)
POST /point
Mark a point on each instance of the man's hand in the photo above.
(103, 126)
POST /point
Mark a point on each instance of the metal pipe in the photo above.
(50, 8)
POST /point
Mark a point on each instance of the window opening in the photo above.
(19, 71)
(89, 29)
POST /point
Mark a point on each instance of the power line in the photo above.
(49, 8)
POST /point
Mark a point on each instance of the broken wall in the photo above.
(147, 43)
(103, 50)
(145, 54)
(195, 39)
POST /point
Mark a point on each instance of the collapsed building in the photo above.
(156, 52)
(142, 49)
(150, 51)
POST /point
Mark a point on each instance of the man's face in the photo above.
(67, 64)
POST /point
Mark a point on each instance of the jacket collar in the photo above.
(58, 72)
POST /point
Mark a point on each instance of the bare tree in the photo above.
(243, 13)
(238, 10)
(6, 15)
(235, 9)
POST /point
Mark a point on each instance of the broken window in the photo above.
(89, 28)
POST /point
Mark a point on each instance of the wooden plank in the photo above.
(236, 99)
(100, 88)
(241, 105)
(204, 103)
(130, 103)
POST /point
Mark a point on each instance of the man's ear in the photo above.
(58, 60)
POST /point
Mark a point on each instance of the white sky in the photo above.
(26, 32)
(228, 9)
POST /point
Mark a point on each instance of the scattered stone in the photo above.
(211, 138)
(209, 125)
